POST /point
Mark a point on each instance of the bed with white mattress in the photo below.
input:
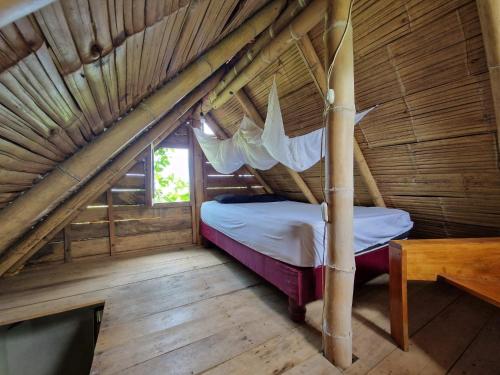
(284, 243)
(293, 232)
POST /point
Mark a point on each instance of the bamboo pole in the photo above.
(318, 74)
(284, 19)
(25, 211)
(12, 10)
(252, 112)
(489, 16)
(15, 257)
(340, 266)
(300, 25)
(221, 134)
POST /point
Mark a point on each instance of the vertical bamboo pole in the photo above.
(489, 15)
(340, 266)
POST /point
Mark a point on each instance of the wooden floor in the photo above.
(196, 310)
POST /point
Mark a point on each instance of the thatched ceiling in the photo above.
(72, 68)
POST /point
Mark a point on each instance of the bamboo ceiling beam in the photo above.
(221, 134)
(16, 257)
(252, 112)
(37, 202)
(297, 28)
(284, 19)
(12, 10)
(489, 16)
(318, 74)
(340, 266)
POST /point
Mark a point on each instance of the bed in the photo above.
(283, 243)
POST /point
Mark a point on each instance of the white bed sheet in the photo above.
(293, 232)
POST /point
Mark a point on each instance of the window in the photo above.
(171, 175)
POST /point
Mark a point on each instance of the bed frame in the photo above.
(301, 284)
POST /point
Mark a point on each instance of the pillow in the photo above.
(232, 198)
(264, 198)
(241, 198)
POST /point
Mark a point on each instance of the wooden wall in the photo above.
(120, 221)
(239, 182)
(430, 143)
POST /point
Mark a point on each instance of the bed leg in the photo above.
(398, 297)
(297, 312)
(205, 243)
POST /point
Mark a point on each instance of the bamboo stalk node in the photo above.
(67, 173)
(336, 337)
(292, 33)
(341, 269)
(341, 108)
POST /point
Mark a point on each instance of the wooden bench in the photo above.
(472, 264)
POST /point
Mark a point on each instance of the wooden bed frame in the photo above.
(301, 284)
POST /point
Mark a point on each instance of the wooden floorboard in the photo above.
(198, 311)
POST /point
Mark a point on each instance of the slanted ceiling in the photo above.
(431, 142)
(70, 69)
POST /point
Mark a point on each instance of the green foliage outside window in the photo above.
(169, 183)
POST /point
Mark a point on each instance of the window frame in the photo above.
(150, 194)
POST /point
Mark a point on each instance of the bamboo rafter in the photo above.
(318, 74)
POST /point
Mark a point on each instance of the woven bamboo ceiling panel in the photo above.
(68, 71)
(431, 142)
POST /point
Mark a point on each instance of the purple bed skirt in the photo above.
(301, 284)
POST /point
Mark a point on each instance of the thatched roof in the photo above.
(71, 69)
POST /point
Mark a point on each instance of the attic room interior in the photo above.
(249, 186)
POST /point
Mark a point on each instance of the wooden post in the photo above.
(199, 178)
(41, 199)
(340, 266)
(318, 74)
(111, 221)
(149, 175)
(252, 112)
(67, 243)
(192, 179)
(489, 15)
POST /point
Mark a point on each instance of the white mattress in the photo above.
(293, 232)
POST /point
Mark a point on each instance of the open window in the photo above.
(171, 169)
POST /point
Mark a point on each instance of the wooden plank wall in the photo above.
(430, 143)
(239, 182)
(120, 221)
